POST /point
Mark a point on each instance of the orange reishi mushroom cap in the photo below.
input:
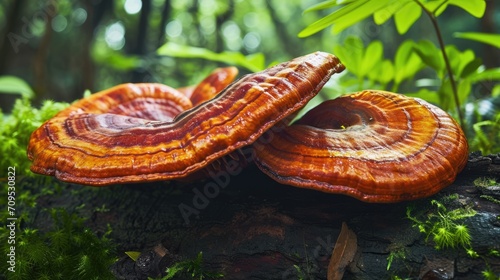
(213, 84)
(87, 144)
(375, 146)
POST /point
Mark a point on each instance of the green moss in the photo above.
(443, 227)
(489, 274)
(193, 269)
(441, 224)
(300, 273)
(16, 129)
(484, 182)
(394, 255)
(490, 198)
(67, 251)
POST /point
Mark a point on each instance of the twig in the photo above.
(446, 61)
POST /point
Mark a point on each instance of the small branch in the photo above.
(448, 68)
(446, 62)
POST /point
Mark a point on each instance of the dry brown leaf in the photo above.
(343, 253)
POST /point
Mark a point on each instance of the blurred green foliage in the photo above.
(15, 85)
(404, 12)
(254, 62)
(74, 45)
(456, 72)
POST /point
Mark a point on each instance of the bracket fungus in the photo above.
(375, 146)
(86, 144)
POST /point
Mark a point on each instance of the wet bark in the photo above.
(250, 227)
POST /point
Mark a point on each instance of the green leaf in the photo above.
(15, 85)
(406, 16)
(359, 14)
(360, 60)
(466, 58)
(372, 56)
(430, 55)
(490, 39)
(496, 91)
(471, 67)
(322, 6)
(351, 53)
(330, 19)
(464, 89)
(461, 63)
(486, 75)
(254, 62)
(382, 15)
(382, 73)
(473, 7)
(436, 7)
(174, 270)
(482, 140)
(427, 95)
(454, 57)
(446, 101)
(406, 62)
(133, 255)
(349, 14)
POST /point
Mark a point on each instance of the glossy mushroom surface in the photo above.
(213, 84)
(87, 145)
(152, 101)
(375, 146)
(147, 101)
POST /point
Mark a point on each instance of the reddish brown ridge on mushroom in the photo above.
(87, 144)
(145, 101)
(375, 146)
(152, 101)
(213, 84)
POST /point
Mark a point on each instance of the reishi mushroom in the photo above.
(90, 147)
(213, 84)
(375, 146)
(152, 101)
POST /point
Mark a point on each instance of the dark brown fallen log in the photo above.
(250, 227)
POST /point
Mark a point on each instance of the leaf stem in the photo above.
(439, 36)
